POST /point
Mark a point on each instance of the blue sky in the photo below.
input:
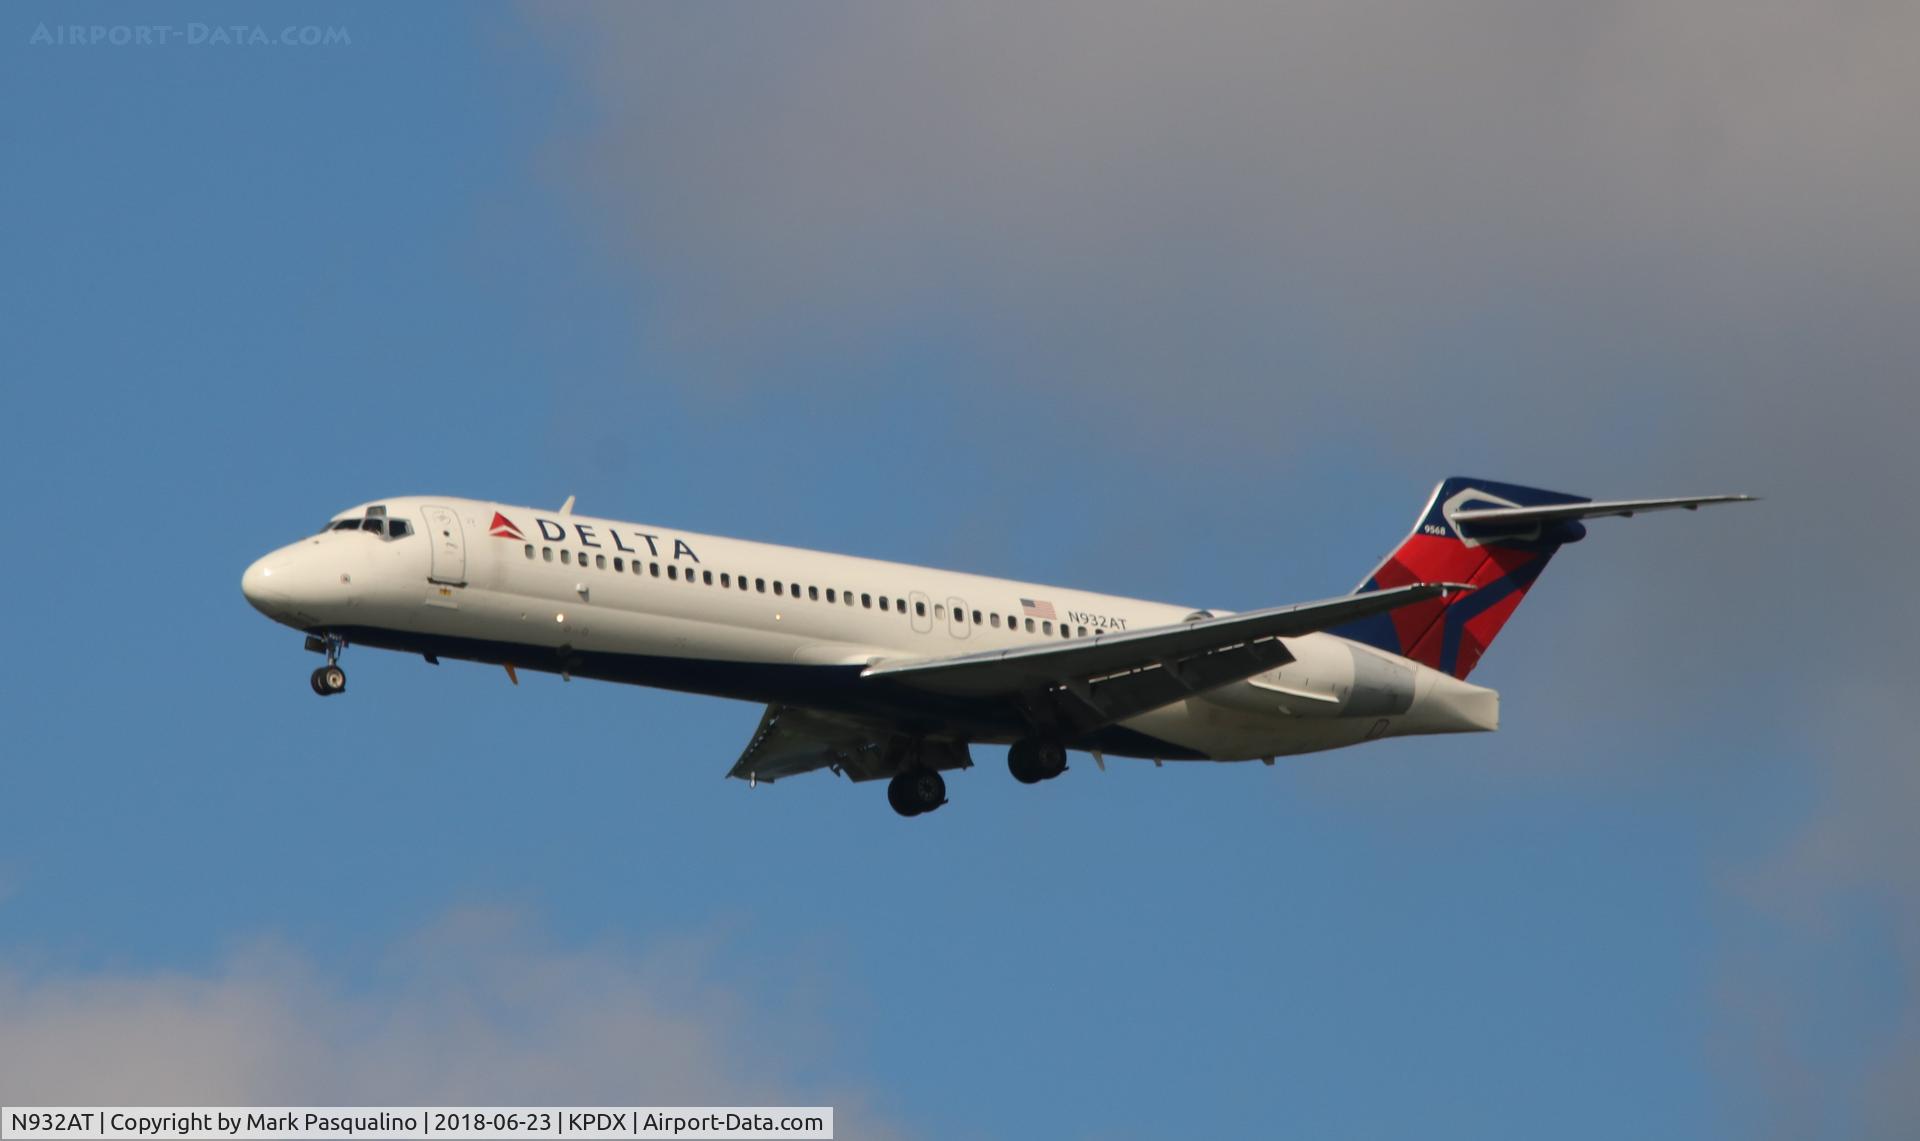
(1195, 308)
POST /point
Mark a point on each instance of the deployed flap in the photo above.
(1115, 676)
(1474, 522)
(793, 739)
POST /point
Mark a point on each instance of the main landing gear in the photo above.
(330, 678)
(916, 790)
(1032, 761)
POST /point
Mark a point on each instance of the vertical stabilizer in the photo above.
(1451, 633)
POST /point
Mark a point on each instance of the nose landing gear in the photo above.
(330, 678)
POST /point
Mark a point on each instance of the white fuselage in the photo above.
(589, 597)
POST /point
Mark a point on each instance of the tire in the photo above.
(915, 791)
(900, 796)
(1032, 761)
(931, 789)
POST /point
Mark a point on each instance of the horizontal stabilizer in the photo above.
(1478, 522)
(1497, 536)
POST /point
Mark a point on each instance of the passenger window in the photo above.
(1046, 627)
(637, 569)
(600, 562)
(848, 595)
(883, 602)
(777, 585)
(566, 556)
(673, 572)
(546, 554)
(706, 578)
(829, 594)
(866, 601)
(996, 621)
(653, 569)
(1029, 625)
(619, 563)
(529, 550)
(959, 616)
(813, 594)
(760, 586)
(725, 580)
(920, 609)
(976, 618)
(1081, 631)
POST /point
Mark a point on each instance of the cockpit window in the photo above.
(375, 522)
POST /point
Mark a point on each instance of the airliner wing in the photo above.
(793, 739)
(1116, 676)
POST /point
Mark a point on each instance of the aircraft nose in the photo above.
(266, 595)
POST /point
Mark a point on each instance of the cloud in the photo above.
(1247, 210)
(472, 1010)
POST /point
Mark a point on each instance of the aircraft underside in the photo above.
(837, 688)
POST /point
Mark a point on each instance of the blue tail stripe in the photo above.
(1475, 603)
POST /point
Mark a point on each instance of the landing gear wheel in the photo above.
(329, 680)
(914, 791)
(1032, 761)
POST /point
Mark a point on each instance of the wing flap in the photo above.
(794, 739)
(1123, 695)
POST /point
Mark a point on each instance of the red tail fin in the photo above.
(1450, 634)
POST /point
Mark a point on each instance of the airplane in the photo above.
(878, 670)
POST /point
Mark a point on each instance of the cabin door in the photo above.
(449, 546)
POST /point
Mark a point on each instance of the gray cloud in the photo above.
(1237, 206)
(473, 1010)
(1632, 247)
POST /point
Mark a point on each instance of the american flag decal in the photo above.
(1037, 608)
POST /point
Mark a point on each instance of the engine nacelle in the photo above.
(1329, 677)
